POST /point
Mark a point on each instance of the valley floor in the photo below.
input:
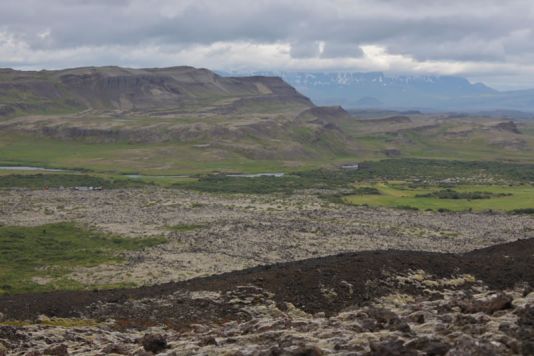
(214, 233)
(276, 274)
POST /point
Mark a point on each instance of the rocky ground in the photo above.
(235, 232)
(303, 277)
(367, 303)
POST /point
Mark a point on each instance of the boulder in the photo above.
(154, 343)
(488, 305)
(57, 350)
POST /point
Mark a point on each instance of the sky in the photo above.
(490, 41)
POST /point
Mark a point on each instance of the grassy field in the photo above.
(39, 258)
(469, 140)
(255, 154)
(149, 159)
(56, 180)
(402, 195)
(371, 171)
(328, 178)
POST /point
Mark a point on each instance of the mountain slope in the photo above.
(181, 119)
(154, 118)
(115, 88)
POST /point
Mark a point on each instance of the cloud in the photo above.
(485, 39)
(341, 50)
(305, 49)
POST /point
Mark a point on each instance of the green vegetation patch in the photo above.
(395, 169)
(452, 194)
(413, 170)
(313, 179)
(255, 185)
(523, 211)
(465, 197)
(61, 322)
(32, 256)
(365, 191)
(41, 181)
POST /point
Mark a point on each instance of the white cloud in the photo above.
(488, 40)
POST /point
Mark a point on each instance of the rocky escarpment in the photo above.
(508, 126)
(115, 88)
(239, 115)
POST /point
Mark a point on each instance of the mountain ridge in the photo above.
(192, 111)
(117, 88)
(380, 90)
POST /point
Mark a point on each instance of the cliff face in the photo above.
(115, 88)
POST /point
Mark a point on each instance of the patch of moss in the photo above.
(50, 252)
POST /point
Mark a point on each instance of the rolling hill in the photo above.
(160, 116)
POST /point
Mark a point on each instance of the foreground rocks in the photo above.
(428, 321)
(392, 302)
(367, 303)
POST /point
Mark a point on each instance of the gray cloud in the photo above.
(341, 50)
(312, 34)
(305, 49)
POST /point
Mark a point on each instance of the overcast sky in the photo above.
(485, 40)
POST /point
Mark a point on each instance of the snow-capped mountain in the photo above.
(376, 89)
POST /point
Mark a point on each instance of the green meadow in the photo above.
(504, 198)
(155, 159)
(50, 252)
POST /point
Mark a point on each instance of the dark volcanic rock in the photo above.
(526, 330)
(307, 351)
(57, 350)
(154, 343)
(431, 347)
(390, 347)
(466, 346)
(489, 306)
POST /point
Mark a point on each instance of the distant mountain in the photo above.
(378, 90)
